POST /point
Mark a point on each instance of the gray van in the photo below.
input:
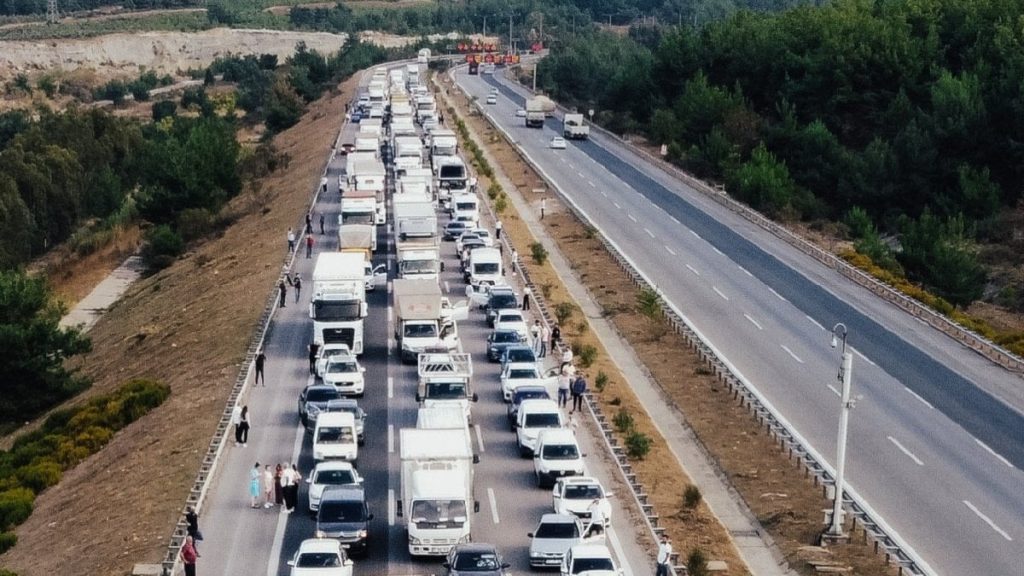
(344, 516)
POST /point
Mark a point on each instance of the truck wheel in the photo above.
(524, 452)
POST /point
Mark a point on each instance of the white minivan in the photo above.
(335, 437)
(535, 414)
(465, 207)
(557, 455)
(485, 266)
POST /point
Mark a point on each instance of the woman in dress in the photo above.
(268, 486)
(254, 486)
(278, 489)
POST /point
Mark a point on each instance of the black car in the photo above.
(312, 400)
(454, 229)
(501, 298)
(344, 516)
(523, 393)
(475, 559)
(498, 340)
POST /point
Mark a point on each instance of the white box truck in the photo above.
(338, 302)
(574, 128)
(440, 418)
(437, 489)
(359, 207)
(408, 152)
(419, 259)
(446, 379)
(415, 219)
(424, 322)
(452, 176)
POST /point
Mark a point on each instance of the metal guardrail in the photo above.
(885, 538)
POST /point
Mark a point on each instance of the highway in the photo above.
(937, 435)
(242, 540)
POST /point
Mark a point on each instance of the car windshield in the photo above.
(321, 394)
(340, 311)
(446, 390)
(331, 352)
(510, 318)
(485, 268)
(342, 511)
(521, 355)
(560, 452)
(583, 491)
(543, 420)
(506, 336)
(335, 435)
(318, 560)
(528, 394)
(465, 205)
(429, 513)
(499, 301)
(589, 564)
(420, 330)
(476, 562)
(340, 367)
(522, 374)
(335, 477)
(560, 530)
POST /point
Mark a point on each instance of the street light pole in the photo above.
(835, 529)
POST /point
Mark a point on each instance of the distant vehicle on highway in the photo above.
(553, 537)
(333, 473)
(524, 393)
(326, 352)
(574, 495)
(512, 320)
(520, 113)
(589, 559)
(344, 515)
(475, 559)
(344, 373)
(351, 406)
(557, 455)
(320, 557)
(312, 401)
(558, 143)
(492, 99)
(454, 229)
(499, 340)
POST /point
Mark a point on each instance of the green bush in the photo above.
(623, 421)
(648, 303)
(164, 109)
(39, 476)
(194, 223)
(7, 541)
(564, 311)
(601, 381)
(587, 355)
(500, 204)
(162, 246)
(697, 563)
(15, 506)
(538, 253)
(691, 496)
(638, 444)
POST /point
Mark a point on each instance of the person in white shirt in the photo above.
(545, 335)
(664, 556)
(597, 520)
(236, 421)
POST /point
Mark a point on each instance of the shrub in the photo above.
(164, 109)
(500, 204)
(601, 381)
(638, 444)
(194, 223)
(163, 245)
(15, 506)
(7, 541)
(538, 253)
(697, 563)
(39, 476)
(493, 190)
(691, 497)
(648, 303)
(623, 421)
(564, 311)
(587, 355)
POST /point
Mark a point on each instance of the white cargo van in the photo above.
(557, 455)
(485, 266)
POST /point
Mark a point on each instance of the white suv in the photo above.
(556, 455)
(535, 414)
(344, 373)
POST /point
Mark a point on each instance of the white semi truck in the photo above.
(446, 379)
(338, 302)
(426, 320)
(574, 128)
(437, 489)
(537, 109)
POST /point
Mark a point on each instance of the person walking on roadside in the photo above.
(309, 222)
(268, 486)
(236, 421)
(535, 336)
(309, 246)
(563, 389)
(664, 556)
(283, 289)
(279, 485)
(243, 426)
(291, 488)
(545, 335)
(497, 230)
(515, 261)
(566, 357)
(597, 520)
(526, 297)
(261, 360)
(322, 220)
(297, 284)
(291, 241)
(189, 556)
(254, 486)
(556, 336)
(192, 528)
(543, 207)
(579, 388)
(314, 350)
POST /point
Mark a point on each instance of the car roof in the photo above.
(506, 331)
(557, 435)
(335, 418)
(538, 405)
(343, 357)
(476, 547)
(590, 551)
(346, 492)
(510, 312)
(580, 480)
(345, 402)
(520, 365)
(333, 465)
(320, 387)
(502, 288)
(552, 518)
(319, 545)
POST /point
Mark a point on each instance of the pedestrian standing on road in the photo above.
(535, 336)
(322, 216)
(579, 388)
(297, 284)
(563, 389)
(597, 520)
(243, 426)
(283, 289)
(556, 336)
(192, 529)
(543, 206)
(314, 350)
(236, 421)
(309, 222)
(515, 261)
(189, 556)
(291, 488)
(278, 485)
(497, 230)
(566, 357)
(545, 334)
(268, 486)
(664, 556)
(261, 360)
(526, 297)
(291, 241)
(309, 246)
(254, 486)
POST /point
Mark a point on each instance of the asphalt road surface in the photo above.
(242, 540)
(936, 441)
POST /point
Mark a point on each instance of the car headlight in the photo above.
(313, 411)
(414, 540)
(362, 534)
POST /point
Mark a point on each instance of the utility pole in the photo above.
(834, 533)
(52, 14)
(485, 26)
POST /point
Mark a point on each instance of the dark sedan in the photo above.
(475, 559)
(498, 340)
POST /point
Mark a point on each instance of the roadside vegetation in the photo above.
(908, 148)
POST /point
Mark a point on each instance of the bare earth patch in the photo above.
(788, 505)
(188, 326)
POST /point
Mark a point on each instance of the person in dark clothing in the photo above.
(556, 336)
(321, 223)
(579, 387)
(314, 349)
(243, 426)
(192, 519)
(309, 223)
(261, 360)
(283, 289)
(297, 284)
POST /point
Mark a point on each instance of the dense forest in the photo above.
(901, 119)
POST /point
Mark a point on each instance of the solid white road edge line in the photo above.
(790, 352)
(745, 271)
(719, 292)
(479, 438)
(905, 451)
(923, 401)
(988, 521)
(994, 453)
(494, 505)
(752, 321)
(695, 234)
(274, 565)
(777, 295)
(863, 357)
(717, 250)
(815, 322)
(670, 251)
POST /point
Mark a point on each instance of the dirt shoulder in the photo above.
(785, 501)
(188, 326)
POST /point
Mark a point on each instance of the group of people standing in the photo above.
(274, 486)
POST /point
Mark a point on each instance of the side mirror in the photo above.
(309, 480)
(417, 396)
(476, 458)
(362, 369)
(476, 505)
(476, 397)
(369, 517)
(398, 508)
(364, 310)
(291, 562)
(529, 534)
(446, 565)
